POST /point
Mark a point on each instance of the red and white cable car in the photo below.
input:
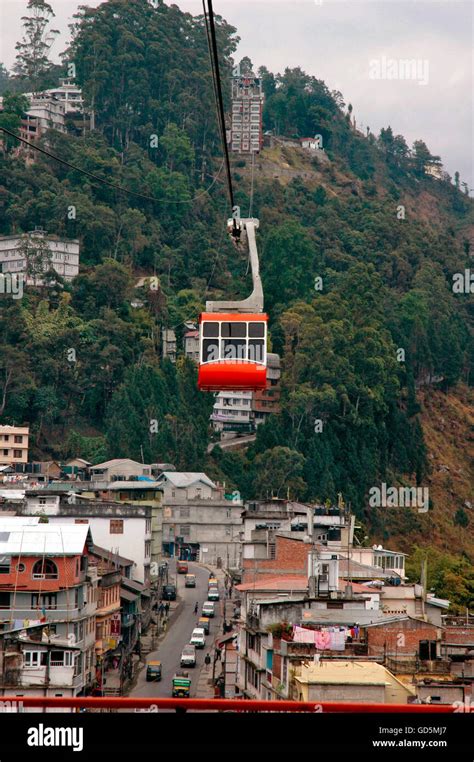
(233, 335)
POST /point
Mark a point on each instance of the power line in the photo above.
(98, 179)
(210, 27)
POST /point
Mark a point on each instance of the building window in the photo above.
(18, 439)
(17, 453)
(4, 600)
(148, 526)
(44, 601)
(34, 658)
(116, 526)
(5, 452)
(147, 548)
(81, 521)
(184, 513)
(5, 566)
(45, 569)
(185, 530)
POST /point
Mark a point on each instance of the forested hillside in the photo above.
(358, 254)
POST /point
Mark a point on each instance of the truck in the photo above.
(181, 685)
(182, 567)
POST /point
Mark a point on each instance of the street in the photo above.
(179, 633)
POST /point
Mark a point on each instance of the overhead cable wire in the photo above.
(101, 180)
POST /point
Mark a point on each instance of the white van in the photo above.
(198, 638)
(208, 609)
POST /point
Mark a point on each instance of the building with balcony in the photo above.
(45, 583)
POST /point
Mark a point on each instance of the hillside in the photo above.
(365, 219)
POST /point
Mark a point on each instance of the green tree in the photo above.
(32, 60)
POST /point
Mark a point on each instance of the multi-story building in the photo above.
(45, 583)
(246, 136)
(199, 521)
(266, 402)
(55, 253)
(191, 345)
(13, 444)
(123, 528)
(69, 95)
(232, 411)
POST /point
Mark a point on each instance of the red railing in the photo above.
(226, 705)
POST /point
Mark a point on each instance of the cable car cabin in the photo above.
(233, 351)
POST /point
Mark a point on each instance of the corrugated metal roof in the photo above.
(186, 478)
(49, 539)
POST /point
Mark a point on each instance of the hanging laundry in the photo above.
(322, 640)
(302, 635)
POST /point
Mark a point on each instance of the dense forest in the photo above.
(357, 255)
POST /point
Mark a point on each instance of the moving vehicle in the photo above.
(233, 334)
(182, 567)
(153, 671)
(204, 622)
(181, 685)
(213, 594)
(169, 592)
(198, 637)
(212, 581)
(188, 656)
(208, 609)
(190, 580)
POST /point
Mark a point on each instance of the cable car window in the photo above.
(255, 351)
(234, 330)
(256, 330)
(233, 349)
(210, 329)
(210, 350)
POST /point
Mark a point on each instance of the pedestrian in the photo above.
(167, 608)
(207, 660)
(196, 607)
(218, 653)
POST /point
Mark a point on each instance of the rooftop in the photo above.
(43, 539)
(348, 673)
(290, 582)
(186, 478)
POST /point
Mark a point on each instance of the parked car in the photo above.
(182, 567)
(190, 580)
(198, 637)
(169, 592)
(213, 594)
(188, 657)
(153, 671)
(208, 609)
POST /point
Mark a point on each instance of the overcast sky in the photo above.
(354, 47)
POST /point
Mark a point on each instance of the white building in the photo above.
(63, 255)
(232, 410)
(48, 112)
(69, 95)
(119, 469)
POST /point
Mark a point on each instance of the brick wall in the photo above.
(459, 634)
(402, 637)
(290, 558)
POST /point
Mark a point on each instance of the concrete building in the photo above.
(266, 402)
(191, 345)
(246, 135)
(359, 681)
(119, 469)
(13, 444)
(46, 584)
(61, 255)
(168, 339)
(199, 521)
(232, 411)
(69, 95)
(122, 528)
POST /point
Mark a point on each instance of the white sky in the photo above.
(335, 40)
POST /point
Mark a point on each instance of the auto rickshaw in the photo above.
(181, 685)
(153, 671)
